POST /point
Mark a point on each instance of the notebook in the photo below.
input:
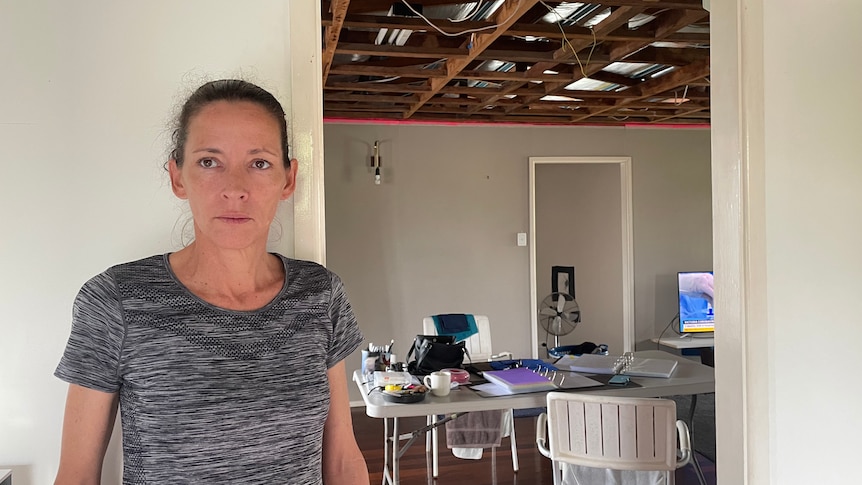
(610, 364)
(522, 380)
(519, 379)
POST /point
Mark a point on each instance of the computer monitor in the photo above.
(695, 292)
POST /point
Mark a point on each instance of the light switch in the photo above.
(522, 239)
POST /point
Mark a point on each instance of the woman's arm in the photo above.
(343, 462)
(87, 427)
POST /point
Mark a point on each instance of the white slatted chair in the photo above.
(479, 345)
(612, 440)
(479, 349)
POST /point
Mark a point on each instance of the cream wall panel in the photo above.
(786, 242)
(88, 92)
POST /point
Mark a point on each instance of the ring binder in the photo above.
(626, 364)
(519, 380)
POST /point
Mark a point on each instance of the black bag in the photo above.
(435, 352)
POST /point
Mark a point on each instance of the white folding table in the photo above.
(689, 378)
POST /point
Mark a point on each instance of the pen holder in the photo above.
(372, 361)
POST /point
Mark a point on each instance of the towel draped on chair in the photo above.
(462, 326)
(477, 429)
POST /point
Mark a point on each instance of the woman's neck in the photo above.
(237, 279)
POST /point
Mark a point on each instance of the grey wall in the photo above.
(439, 234)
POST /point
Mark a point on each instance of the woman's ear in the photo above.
(176, 179)
(290, 180)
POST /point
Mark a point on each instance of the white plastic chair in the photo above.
(478, 346)
(479, 349)
(617, 440)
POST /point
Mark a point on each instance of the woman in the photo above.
(226, 361)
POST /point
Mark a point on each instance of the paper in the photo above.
(489, 389)
(650, 367)
(382, 378)
(572, 380)
(590, 363)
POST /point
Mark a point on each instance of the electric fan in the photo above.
(559, 314)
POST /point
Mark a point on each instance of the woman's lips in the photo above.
(234, 219)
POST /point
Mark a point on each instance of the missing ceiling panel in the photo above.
(517, 61)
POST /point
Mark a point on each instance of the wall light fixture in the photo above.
(376, 161)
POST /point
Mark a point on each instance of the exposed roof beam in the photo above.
(439, 77)
(679, 114)
(342, 96)
(403, 51)
(673, 21)
(570, 49)
(508, 13)
(385, 71)
(546, 30)
(669, 56)
(667, 24)
(379, 87)
(338, 9)
(652, 87)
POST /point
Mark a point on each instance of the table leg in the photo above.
(386, 476)
(697, 469)
(395, 457)
(390, 461)
(435, 469)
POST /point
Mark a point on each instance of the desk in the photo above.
(688, 378)
(689, 342)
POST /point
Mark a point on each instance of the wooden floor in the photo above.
(535, 469)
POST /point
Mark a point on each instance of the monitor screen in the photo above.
(695, 290)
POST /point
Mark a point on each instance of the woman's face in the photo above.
(233, 174)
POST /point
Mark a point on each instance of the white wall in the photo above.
(88, 92)
(787, 237)
(439, 234)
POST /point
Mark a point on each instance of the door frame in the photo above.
(627, 256)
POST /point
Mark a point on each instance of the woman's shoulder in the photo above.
(139, 269)
(300, 268)
(156, 262)
(292, 264)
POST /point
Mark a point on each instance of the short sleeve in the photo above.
(346, 335)
(91, 358)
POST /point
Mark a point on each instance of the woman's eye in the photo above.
(207, 163)
(261, 164)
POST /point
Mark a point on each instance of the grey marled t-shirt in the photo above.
(208, 395)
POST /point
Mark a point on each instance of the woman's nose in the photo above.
(236, 186)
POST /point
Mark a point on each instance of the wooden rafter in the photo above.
(620, 51)
(545, 30)
(338, 9)
(569, 50)
(652, 87)
(506, 15)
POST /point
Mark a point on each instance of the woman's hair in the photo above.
(226, 90)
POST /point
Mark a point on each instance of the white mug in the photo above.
(439, 382)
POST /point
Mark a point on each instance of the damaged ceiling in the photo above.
(614, 62)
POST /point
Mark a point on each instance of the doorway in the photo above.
(581, 216)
